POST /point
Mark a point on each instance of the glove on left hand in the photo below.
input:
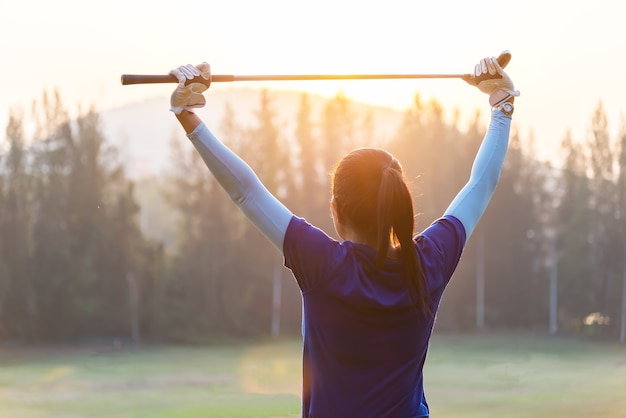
(189, 96)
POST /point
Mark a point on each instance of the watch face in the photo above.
(507, 107)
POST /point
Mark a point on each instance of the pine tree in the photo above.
(81, 256)
(511, 292)
(604, 249)
(313, 195)
(621, 228)
(17, 298)
(55, 268)
(576, 296)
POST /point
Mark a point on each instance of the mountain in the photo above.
(142, 131)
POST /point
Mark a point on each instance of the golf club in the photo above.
(127, 79)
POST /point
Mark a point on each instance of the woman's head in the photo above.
(371, 197)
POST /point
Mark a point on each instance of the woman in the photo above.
(369, 301)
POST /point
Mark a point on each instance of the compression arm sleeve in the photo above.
(470, 204)
(243, 186)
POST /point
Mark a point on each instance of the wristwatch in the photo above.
(505, 107)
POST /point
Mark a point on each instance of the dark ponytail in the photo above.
(396, 224)
(372, 193)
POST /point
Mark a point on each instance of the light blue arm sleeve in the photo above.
(243, 186)
(470, 204)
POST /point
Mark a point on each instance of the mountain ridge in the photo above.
(142, 131)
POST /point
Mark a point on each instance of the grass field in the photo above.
(466, 376)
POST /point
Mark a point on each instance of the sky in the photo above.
(567, 56)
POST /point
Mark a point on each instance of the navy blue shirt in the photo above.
(364, 348)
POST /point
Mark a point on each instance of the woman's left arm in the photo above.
(470, 203)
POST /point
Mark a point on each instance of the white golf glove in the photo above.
(190, 96)
(491, 78)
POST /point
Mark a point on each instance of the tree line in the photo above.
(75, 265)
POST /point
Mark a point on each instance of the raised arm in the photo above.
(470, 203)
(265, 211)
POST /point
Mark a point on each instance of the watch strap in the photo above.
(506, 107)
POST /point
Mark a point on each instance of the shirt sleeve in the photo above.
(440, 247)
(310, 253)
(243, 186)
(470, 203)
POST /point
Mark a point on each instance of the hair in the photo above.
(373, 197)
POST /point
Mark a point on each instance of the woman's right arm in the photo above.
(470, 203)
(265, 211)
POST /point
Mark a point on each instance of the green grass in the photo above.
(521, 376)
(466, 376)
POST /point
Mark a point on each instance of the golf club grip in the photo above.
(167, 78)
(147, 79)
(504, 58)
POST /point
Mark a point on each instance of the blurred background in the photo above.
(116, 241)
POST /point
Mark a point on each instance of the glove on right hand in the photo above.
(490, 77)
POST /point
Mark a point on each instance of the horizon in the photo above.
(151, 160)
